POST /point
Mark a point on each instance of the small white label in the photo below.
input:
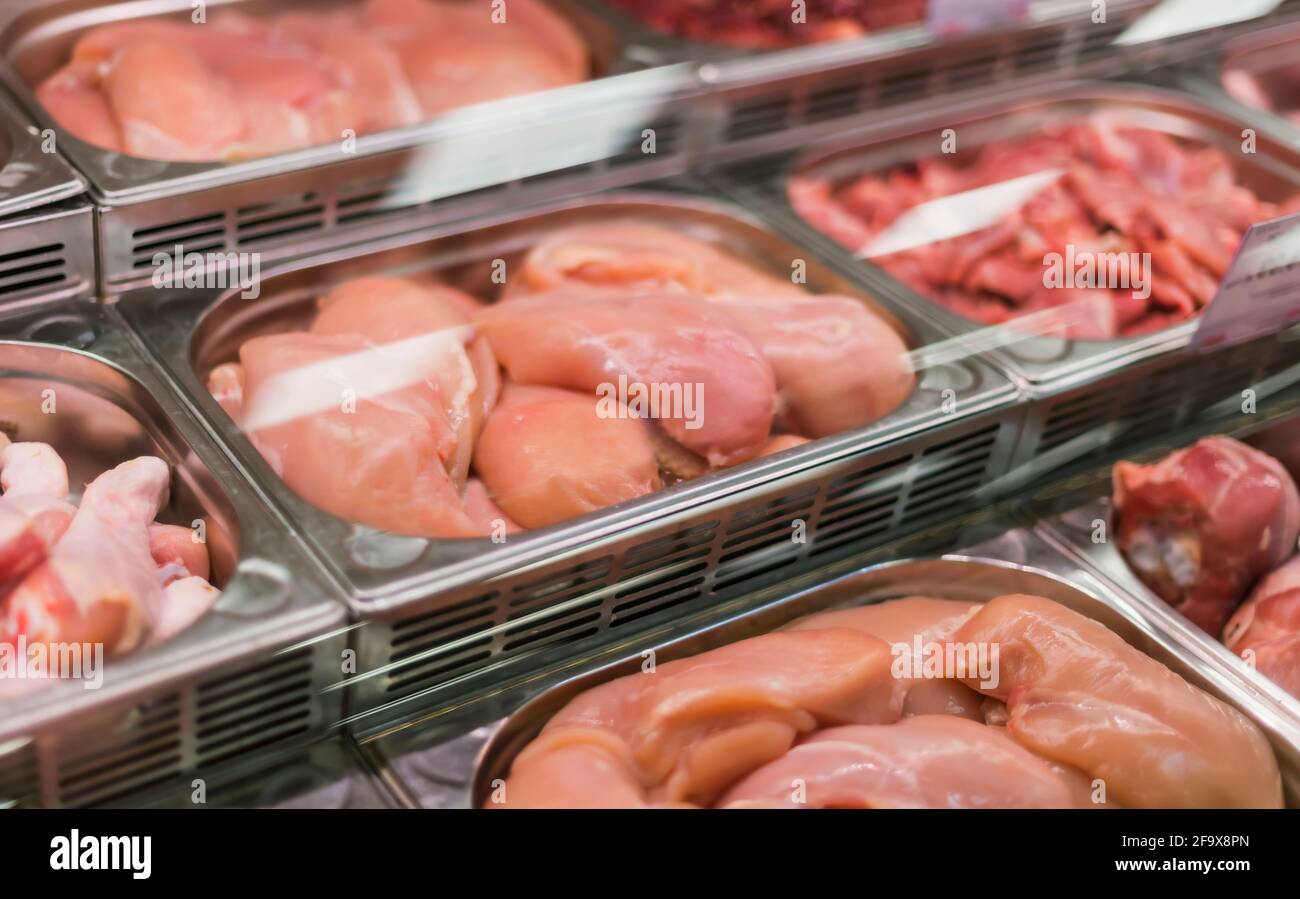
(1260, 294)
(949, 17)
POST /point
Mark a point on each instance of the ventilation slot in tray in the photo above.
(833, 102)
(289, 217)
(196, 235)
(903, 86)
(255, 708)
(32, 268)
(947, 474)
(760, 539)
(968, 73)
(758, 117)
(1098, 39)
(1038, 54)
(142, 750)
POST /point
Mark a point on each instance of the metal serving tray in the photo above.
(1068, 517)
(248, 676)
(1266, 59)
(325, 774)
(46, 236)
(458, 772)
(1148, 383)
(474, 160)
(783, 100)
(438, 611)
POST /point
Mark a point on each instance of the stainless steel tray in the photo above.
(1148, 383)
(762, 103)
(1068, 515)
(1265, 57)
(323, 774)
(438, 611)
(458, 772)
(475, 159)
(247, 677)
(46, 235)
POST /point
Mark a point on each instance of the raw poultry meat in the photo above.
(98, 582)
(1079, 695)
(1266, 628)
(581, 340)
(688, 728)
(535, 456)
(238, 86)
(977, 238)
(1202, 524)
(931, 761)
(769, 24)
(812, 716)
(635, 356)
(362, 431)
(816, 344)
(903, 623)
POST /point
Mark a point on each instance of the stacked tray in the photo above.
(1076, 388)
(271, 205)
(246, 677)
(445, 764)
(46, 233)
(439, 611)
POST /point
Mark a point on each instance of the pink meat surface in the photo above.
(688, 729)
(931, 761)
(237, 86)
(1079, 695)
(1202, 524)
(587, 342)
(1266, 628)
(548, 454)
(1102, 190)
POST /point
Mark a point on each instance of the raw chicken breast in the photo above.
(1079, 695)
(547, 454)
(360, 431)
(1266, 628)
(184, 601)
(838, 366)
(21, 549)
(628, 255)
(781, 443)
(901, 623)
(99, 583)
(486, 514)
(573, 768)
(384, 310)
(695, 725)
(72, 96)
(1199, 526)
(169, 105)
(934, 761)
(455, 54)
(658, 342)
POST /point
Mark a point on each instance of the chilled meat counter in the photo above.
(570, 403)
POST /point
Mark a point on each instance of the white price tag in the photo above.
(1260, 293)
(950, 17)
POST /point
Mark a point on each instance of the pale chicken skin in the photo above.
(930, 761)
(902, 623)
(238, 86)
(1202, 524)
(1266, 628)
(99, 583)
(536, 460)
(1079, 695)
(694, 726)
(582, 341)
